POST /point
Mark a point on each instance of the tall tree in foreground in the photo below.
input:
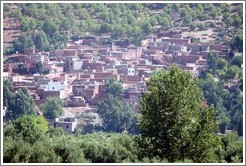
(174, 122)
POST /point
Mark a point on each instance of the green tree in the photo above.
(165, 23)
(176, 7)
(31, 128)
(237, 60)
(27, 24)
(24, 25)
(234, 105)
(201, 26)
(49, 27)
(6, 9)
(105, 28)
(236, 21)
(213, 11)
(21, 103)
(113, 87)
(32, 147)
(146, 27)
(233, 148)
(109, 148)
(187, 19)
(183, 12)
(174, 122)
(222, 64)
(227, 19)
(236, 42)
(192, 26)
(118, 31)
(52, 108)
(24, 41)
(213, 60)
(38, 66)
(42, 152)
(68, 149)
(115, 114)
(41, 42)
(7, 90)
(231, 73)
(204, 17)
(21, 69)
(15, 150)
(215, 94)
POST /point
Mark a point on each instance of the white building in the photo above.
(54, 86)
(68, 124)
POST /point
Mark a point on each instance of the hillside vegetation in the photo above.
(51, 26)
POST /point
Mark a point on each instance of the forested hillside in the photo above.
(51, 26)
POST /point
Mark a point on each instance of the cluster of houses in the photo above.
(77, 74)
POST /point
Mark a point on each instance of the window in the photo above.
(67, 126)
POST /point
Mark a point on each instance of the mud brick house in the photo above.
(88, 91)
(185, 59)
(70, 52)
(56, 53)
(91, 65)
(131, 78)
(67, 123)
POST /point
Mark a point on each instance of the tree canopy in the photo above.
(130, 22)
(18, 103)
(116, 115)
(113, 87)
(174, 121)
(52, 108)
(236, 42)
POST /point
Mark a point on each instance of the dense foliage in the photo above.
(52, 108)
(222, 87)
(174, 122)
(117, 116)
(18, 102)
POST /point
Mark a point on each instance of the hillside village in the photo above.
(123, 82)
(77, 74)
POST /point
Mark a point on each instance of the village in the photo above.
(77, 74)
